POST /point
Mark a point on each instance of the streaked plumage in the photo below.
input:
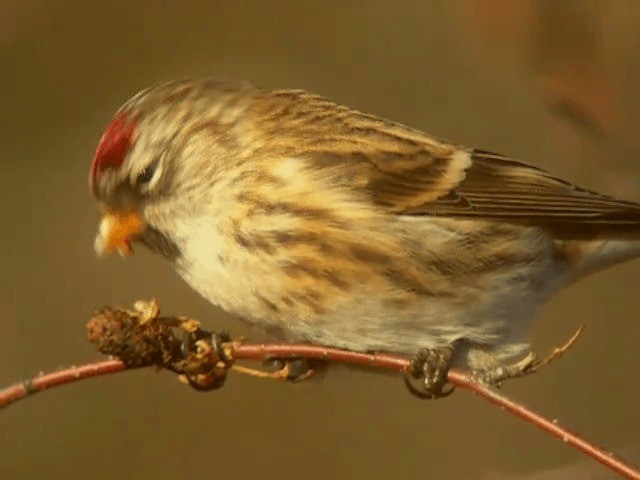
(337, 227)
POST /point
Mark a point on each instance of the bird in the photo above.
(319, 223)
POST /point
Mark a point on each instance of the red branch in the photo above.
(42, 382)
(142, 338)
(21, 390)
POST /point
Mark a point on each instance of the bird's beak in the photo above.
(116, 231)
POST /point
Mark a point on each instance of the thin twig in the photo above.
(64, 376)
(142, 338)
(40, 383)
(555, 353)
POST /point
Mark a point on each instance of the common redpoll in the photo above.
(344, 229)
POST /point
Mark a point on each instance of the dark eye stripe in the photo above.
(147, 174)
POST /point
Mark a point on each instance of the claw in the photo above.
(217, 341)
(526, 366)
(431, 366)
(291, 369)
(496, 376)
(205, 382)
(197, 346)
(193, 341)
(424, 395)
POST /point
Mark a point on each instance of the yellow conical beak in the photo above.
(116, 231)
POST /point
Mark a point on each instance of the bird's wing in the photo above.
(411, 173)
(482, 184)
(479, 184)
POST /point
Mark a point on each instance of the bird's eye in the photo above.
(147, 174)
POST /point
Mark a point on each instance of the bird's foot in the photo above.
(526, 366)
(431, 367)
(207, 359)
(495, 376)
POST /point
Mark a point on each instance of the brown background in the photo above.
(554, 83)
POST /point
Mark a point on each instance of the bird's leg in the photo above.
(431, 366)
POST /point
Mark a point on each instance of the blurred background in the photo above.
(553, 83)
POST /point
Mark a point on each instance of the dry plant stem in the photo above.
(259, 352)
(550, 426)
(555, 353)
(65, 376)
(142, 338)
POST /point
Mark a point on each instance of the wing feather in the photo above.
(501, 188)
(411, 173)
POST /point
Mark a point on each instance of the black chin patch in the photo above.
(159, 243)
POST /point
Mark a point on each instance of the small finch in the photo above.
(340, 228)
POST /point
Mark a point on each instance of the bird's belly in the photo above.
(494, 316)
(368, 318)
(400, 308)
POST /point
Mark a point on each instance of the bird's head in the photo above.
(157, 151)
(129, 172)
